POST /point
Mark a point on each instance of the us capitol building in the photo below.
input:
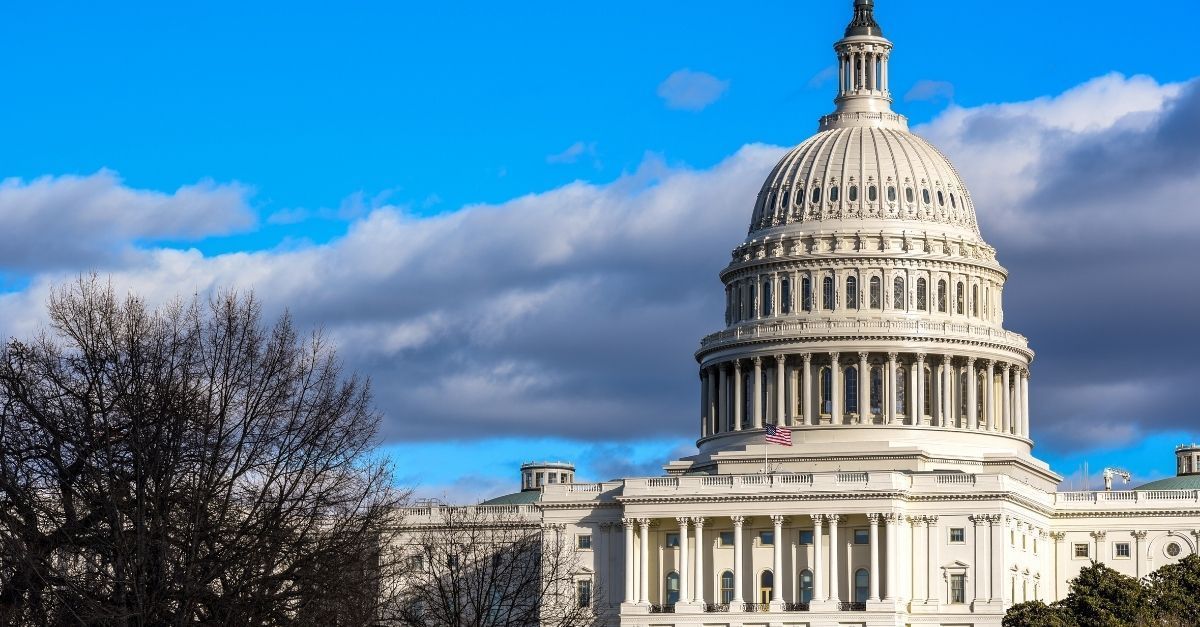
(864, 313)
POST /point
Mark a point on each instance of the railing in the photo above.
(852, 606)
(665, 608)
(758, 607)
(716, 607)
(585, 487)
(852, 477)
(963, 479)
(795, 607)
(663, 482)
(722, 480)
(1127, 496)
(772, 329)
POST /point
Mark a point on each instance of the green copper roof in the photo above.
(524, 497)
(1185, 482)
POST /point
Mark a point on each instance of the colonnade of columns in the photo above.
(864, 388)
(827, 572)
(863, 71)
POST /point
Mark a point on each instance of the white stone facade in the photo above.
(864, 315)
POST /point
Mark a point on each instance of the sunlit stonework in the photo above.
(864, 313)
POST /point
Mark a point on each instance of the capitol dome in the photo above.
(864, 310)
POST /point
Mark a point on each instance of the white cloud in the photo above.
(74, 221)
(931, 91)
(573, 153)
(691, 91)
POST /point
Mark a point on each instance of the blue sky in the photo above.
(180, 147)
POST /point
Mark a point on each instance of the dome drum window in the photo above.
(852, 193)
(872, 193)
(833, 194)
(816, 194)
(925, 196)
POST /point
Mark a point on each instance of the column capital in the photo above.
(863, 355)
(1140, 535)
(920, 358)
(930, 520)
(778, 519)
(644, 523)
(698, 521)
(833, 357)
(892, 357)
(1099, 535)
(628, 523)
(737, 365)
(817, 518)
(893, 517)
(725, 365)
(915, 521)
(1059, 535)
(683, 520)
(756, 360)
(781, 357)
(873, 519)
(978, 520)
(946, 359)
(1006, 366)
(989, 364)
(807, 357)
(737, 520)
(970, 362)
(833, 518)
(994, 519)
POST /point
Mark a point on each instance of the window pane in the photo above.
(876, 293)
(852, 293)
(941, 296)
(898, 293)
(872, 194)
(672, 539)
(766, 538)
(891, 194)
(806, 293)
(727, 538)
(833, 193)
(785, 293)
(921, 294)
(827, 292)
(806, 537)
(908, 194)
(853, 193)
(585, 542)
(862, 536)
(958, 534)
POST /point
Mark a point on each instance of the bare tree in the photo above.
(187, 465)
(491, 566)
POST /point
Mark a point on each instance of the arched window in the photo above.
(853, 193)
(928, 399)
(851, 293)
(806, 293)
(851, 390)
(941, 199)
(891, 193)
(785, 198)
(767, 301)
(953, 203)
(727, 587)
(816, 194)
(765, 581)
(877, 390)
(728, 306)
(908, 194)
(962, 394)
(833, 193)
(876, 293)
(941, 296)
(898, 293)
(747, 398)
(901, 390)
(959, 299)
(872, 193)
(922, 294)
(987, 309)
(925, 196)
(975, 300)
(785, 294)
(826, 391)
(672, 588)
(827, 293)
(737, 312)
(862, 581)
(806, 586)
(753, 299)
(799, 196)
(980, 390)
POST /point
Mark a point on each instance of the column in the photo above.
(737, 560)
(835, 380)
(893, 556)
(1025, 401)
(996, 559)
(883, 73)
(1138, 536)
(806, 395)
(738, 403)
(628, 524)
(918, 410)
(842, 64)
(931, 586)
(777, 562)
(780, 389)
(794, 385)
(644, 566)
(723, 403)
(698, 563)
(1018, 418)
(834, 549)
(684, 573)
(758, 397)
(703, 403)
(714, 421)
(864, 389)
(873, 519)
(981, 553)
(1006, 423)
(820, 592)
(919, 556)
(989, 394)
(948, 392)
(972, 399)
(889, 400)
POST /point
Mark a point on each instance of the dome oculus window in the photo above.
(816, 194)
(941, 199)
(925, 196)
(852, 193)
(785, 199)
(953, 204)
(891, 193)
(833, 193)
(872, 193)
(799, 196)
(908, 194)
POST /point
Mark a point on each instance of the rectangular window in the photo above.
(766, 538)
(672, 539)
(958, 588)
(1081, 550)
(1121, 550)
(726, 538)
(583, 542)
(806, 537)
(861, 536)
(584, 592)
(958, 535)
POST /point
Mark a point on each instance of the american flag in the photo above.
(779, 436)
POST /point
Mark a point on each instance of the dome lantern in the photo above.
(864, 97)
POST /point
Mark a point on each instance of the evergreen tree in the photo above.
(1174, 591)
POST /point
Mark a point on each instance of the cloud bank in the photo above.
(574, 312)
